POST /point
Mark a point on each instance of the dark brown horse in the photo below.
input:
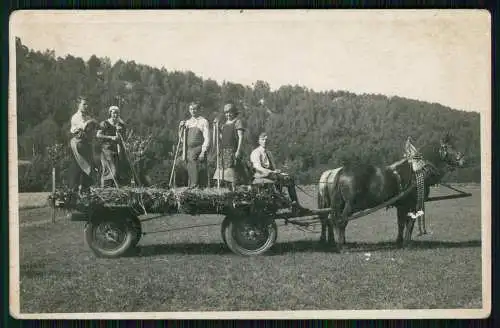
(357, 187)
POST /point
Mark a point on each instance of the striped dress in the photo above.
(414, 156)
(417, 161)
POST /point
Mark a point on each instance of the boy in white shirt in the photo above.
(264, 165)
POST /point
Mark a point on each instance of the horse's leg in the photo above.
(402, 218)
(322, 237)
(423, 221)
(410, 223)
(341, 223)
(323, 219)
(330, 236)
(329, 224)
(340, 228)
(419, 222)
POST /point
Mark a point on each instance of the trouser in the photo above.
(285, 180)
(195, 167)
(78, 177)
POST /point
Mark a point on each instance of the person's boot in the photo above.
(298, 210)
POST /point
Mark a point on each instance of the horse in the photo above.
(362, 186)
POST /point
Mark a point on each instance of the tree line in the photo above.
(309, 131)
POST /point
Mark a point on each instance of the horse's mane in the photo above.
(430, 152)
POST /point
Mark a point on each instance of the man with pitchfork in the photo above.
(196, 135)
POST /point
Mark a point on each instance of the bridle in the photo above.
(444, 153)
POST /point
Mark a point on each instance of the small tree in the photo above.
(136, 148)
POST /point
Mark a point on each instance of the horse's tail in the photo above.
(327, 186)
(323, 199)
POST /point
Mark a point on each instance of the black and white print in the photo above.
(250, 164)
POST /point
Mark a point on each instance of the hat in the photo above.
(113, 108)
(193, 104)
(263, 135)
(230, 108)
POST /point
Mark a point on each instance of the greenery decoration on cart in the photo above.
(171, 201)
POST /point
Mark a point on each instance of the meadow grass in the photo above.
(29, 200)
(191, 270)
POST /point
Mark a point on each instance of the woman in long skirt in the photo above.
(231, 151)
(113, 159)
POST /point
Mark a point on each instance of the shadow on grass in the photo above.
(292, 247)
(182, 248)
(310, 246)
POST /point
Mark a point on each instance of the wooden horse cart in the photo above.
(114, 228)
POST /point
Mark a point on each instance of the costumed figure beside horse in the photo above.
(353, 189)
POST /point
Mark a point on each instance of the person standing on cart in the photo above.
(265, 169)
(231, 136)
(82, 169)
(197, 140)
(113, 160)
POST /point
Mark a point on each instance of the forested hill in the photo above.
(311, 131)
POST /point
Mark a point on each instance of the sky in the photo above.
(438, 56)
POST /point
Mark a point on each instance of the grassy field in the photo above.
(191, 270)
(29, 200)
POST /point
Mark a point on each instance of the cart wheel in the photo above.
(113, 236)
(249, 237)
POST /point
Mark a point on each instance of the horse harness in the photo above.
(398, 176)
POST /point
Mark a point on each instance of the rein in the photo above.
(305, 192)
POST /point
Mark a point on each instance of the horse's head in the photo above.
(449, 154)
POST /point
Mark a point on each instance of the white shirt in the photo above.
(262, 160)
(202, 124)
(79, 121)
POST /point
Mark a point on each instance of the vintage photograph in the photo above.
(250, 164)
